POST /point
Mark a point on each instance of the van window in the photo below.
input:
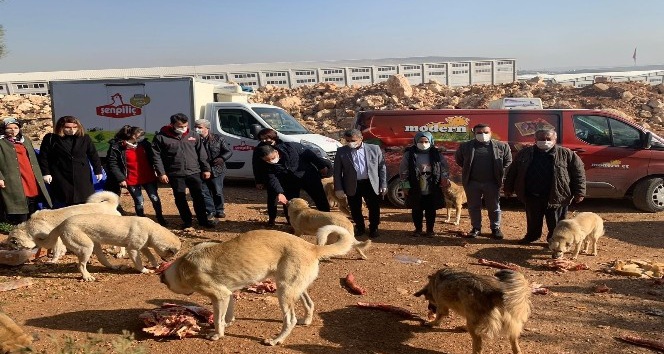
(237, 122)
(596, 130)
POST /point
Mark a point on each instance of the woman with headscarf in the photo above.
(65, 157)
(423, 170)
(21, 181)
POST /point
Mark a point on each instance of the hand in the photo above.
(48, 179)
(281, 199)
(123, 184)
(217, 162)
(260, 186)
(578, 199)
(163, 179)
(99, 177)
(383, 191)
(2, 183)
(340, 194)
(207, 175)
(323, 171)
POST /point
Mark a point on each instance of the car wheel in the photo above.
(395, 194)
(649, 195)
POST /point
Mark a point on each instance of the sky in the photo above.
(52, 35)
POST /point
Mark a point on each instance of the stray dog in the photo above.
(581, 231)
(217, 269)
(454, 197)
(33, 233)
(12, 337)
(341, 203)
(491, 305)
(85, 234)
(307, 221)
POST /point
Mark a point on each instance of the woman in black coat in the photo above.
(64, 158)
(423, 170)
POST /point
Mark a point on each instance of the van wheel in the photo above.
(395, 194)
(649, 195)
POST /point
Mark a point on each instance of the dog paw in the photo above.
(271, 342)
(88, 278)
(593, 253)
(214, 336)
(304, 321)
(147, 271)
(456, 223)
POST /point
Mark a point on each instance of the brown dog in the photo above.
(490, 305)
(454, 198)
(307, 221)
(341, 203)
(12, 337)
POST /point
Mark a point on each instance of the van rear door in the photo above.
(610, 149)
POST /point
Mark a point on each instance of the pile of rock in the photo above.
(328, 109)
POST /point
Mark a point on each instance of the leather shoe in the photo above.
(473, 233)
(359, 231)
(526, 241)
(417, 233)
(497, 234)
(220, 215)
(373, 233)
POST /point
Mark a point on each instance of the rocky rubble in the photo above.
(327, 109)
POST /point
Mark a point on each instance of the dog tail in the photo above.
(516, 302)
(343, 245)
(104, 197)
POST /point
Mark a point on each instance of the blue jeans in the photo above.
(137, 194)
(213, 193)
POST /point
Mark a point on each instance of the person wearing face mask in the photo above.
(65, 157)
(360, 173)
(218, 152)
(423, 170)
(180, 159)
(21, 182)
(546, 177)
(483, 161)
(290, 167)
(129, 165)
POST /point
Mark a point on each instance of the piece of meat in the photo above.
(538, 289)
(266, 286)
(352, 286)
(649, 343)
(564, 265)
(162, 267)
(500, 265)
(173, 320)
(402, 312)
(203, 313)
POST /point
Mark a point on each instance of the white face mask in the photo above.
(130, 145)
(274, 160)
(353, 144)
(70, 131)
(423, 146)
(180, 130)
(138, 140)
(545, 144)
(483, 138)
(199, 131)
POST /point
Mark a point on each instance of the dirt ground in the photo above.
(571, 319)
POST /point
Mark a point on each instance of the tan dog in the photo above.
(85, 234)
(581, 231)
(454, 198)
(217, 269)
(341, 203)
(33, 232)
(307, 221)
(12, 337)
(491, 305)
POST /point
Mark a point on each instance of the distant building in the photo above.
(451, 71)
(652, 77)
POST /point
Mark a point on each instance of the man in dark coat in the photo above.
(546, 177)
(65, 157)
(218, 152)
(180, 160)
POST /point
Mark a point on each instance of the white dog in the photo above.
(581, 231)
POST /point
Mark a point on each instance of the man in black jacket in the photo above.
(180, 160)
(292, 167)
(218, 152)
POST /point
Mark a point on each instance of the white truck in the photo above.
(103, 106)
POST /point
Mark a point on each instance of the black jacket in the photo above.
(70, 169)
(502, 158)
(218, 152)
(116, 160)
(178, 155)
(295, 161)
(439, 171)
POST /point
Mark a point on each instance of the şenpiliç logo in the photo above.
(118, 109)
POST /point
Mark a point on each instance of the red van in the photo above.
(622, 159)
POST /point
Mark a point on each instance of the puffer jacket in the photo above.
(569, 176)
(218, 152)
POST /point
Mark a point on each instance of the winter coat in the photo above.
(502, 159)
(295, 160)
(13, 196)
(178, 155)
(116, 160)
(569, 177)
(439, 171)
(218, 152)
(72, 180)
